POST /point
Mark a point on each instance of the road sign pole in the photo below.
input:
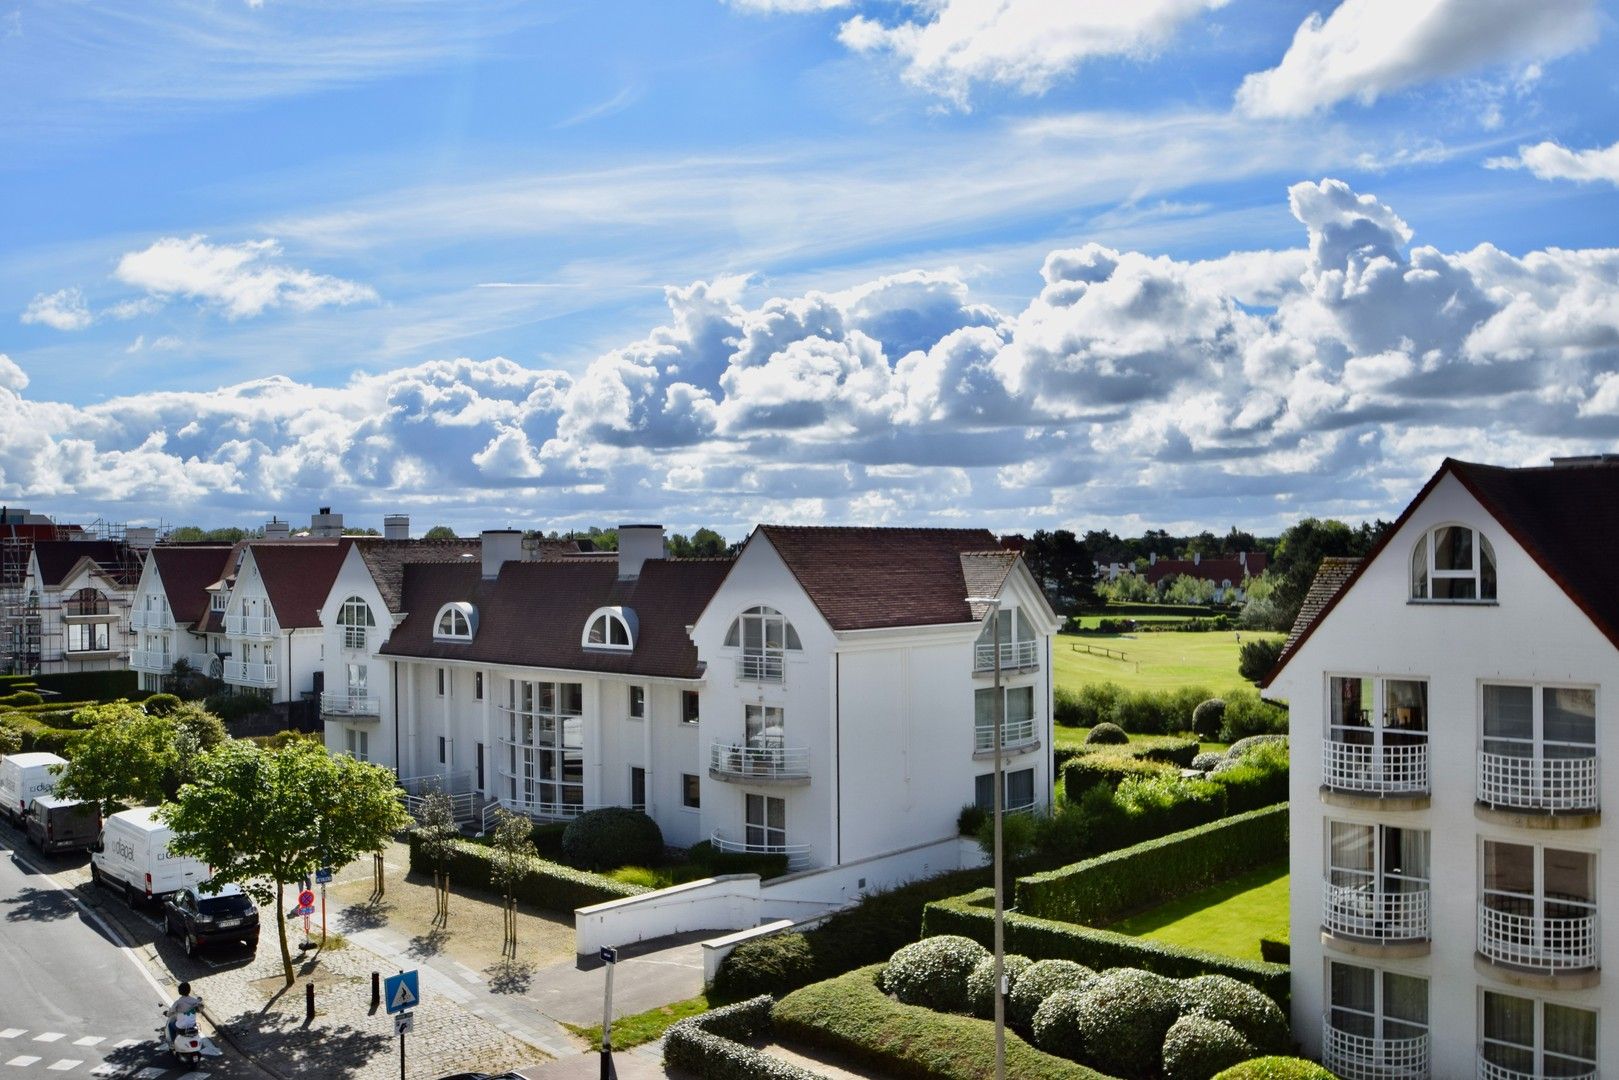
(609, 957)
(401, 1055)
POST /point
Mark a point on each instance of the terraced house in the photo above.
(170, 609)
(1450, 699)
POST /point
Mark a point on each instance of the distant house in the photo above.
(1227, 574)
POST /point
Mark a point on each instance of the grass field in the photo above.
(1153, 661)
(1075, 736)
(1228, 919)
(641, 1028)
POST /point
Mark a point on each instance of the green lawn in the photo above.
(1075, 736)
(641, 1028)
(1153, 661)
(1228, 919)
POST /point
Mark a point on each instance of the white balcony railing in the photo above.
(760, 762)
(243, 673)
(349, 703)
(1538, 942)
(1526, 783)
(1489, 1070)
(150, 620)
(797, 854)
(1014, 733)
(1016, 655)
(1361, 1057)
(1380, 770)
(250, 625)
(761, 667)
(1361, 911)
(149, 660)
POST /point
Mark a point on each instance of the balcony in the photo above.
(1365, 768)
(1540, 943)
(1381, 917)
(1015, 656)
(761, 667)
(1015, 735)
(1361, 1057)
(770, 764)
(350, 703)
(1489, 1070)
(1551, 785)
(243, 673)
(149, 660)
(252, 626)
(150, 620)
(798, 855)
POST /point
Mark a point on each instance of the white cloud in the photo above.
(1368, 48)
(241, 278)
(787, 6)
(12, 377)
(1549, 161)
(64, 309)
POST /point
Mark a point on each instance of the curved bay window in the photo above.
(1453, 562)
(88, 601)
(1377, 735)
(545, 758)
(765, 637)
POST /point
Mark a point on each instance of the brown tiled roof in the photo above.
(386, 560)
(57, 558)
(297, 577)
(1215, 570)
(186, 572)
(534, 613)
(1330, 578)
(867, 578)
(983, 573)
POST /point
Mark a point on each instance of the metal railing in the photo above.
(540, 811)
(148, 660)
(1527, 783)
(244, 673)
(797, 854)
(1013, 733)
(764, 666)
(1538, 942)
(141, 619)
(1014, 654)
(1489, 1070)
(1382, 770)
(1362, 911)
(760, 762)
(349, 703)
(1361, 1057)
(250, 625)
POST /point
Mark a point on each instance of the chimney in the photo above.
(326, 523)
(276, 529)
(1242, 559)
(637, 544)
(1197, 558)
(396, 527)
(1152, 558)
(500, 546)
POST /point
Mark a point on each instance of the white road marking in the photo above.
(150, 1074)
(106, 1070)
(195, 1076)
(12, 1033)
(49, 1036)
(65, 1064)
(89, 1040)
(22, 1059)
(125, 1044)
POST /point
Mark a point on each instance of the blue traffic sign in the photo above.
(400, 992)
(608, 954)
(323, 876)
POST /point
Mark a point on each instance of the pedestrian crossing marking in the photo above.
(150, 1074)
(89, 1040)
(22, 1059)
(125, 1044)
(195, 1076)
(65, 1064)
(12, 1033)
(49, 1036)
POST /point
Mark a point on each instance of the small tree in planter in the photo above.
(514, 851)
(437, 831)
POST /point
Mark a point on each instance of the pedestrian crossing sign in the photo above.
(401, 992)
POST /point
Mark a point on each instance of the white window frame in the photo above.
(356, 620)
(456, 621)
(1536, 1050)
(1380, 1020)
(1538, 901)
(1425, 575)
(357, 743)
(89, 637)
(610, 628)
(545, 762)
(763, 637)
(1537, 741)
(636, 707)
(1382, 718)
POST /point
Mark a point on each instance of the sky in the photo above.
(1012, 264)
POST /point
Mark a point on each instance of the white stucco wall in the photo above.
(354, 579)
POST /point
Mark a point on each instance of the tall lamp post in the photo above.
(994, 603)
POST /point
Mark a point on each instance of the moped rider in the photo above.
(183, 1013)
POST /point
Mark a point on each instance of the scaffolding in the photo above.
(31, 627)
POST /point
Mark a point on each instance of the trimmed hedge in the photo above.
(1276, 1068)
(1041, 980)
(548, 886)
(1086, 771)
(1101, 889)
(713, 1045)
(851, 1016)
(1195, 1048)
(1106, 734)
(981, 983)
(715, 862)
(95, 687)
(610, 837)
(1119, 1019)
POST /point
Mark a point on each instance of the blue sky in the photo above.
(1021, 263)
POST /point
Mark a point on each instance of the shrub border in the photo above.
(711, 1045)
(548, 886)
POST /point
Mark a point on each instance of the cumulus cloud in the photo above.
(1368, 48)
(1550, 161)
(240, 279)
(64, 309)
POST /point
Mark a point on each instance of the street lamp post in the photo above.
(1000, 920)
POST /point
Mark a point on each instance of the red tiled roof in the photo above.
(57, 558)
(297, 578)
(534, 613)
(186, 572)
(867, 578)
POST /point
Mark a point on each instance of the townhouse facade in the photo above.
(1450, 699)
(74, 613)
(272, 638)
(170, 609)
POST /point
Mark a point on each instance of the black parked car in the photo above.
(200, 919)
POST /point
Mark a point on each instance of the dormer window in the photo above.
(610, 628)
(455, 622)
(219, 599)
(1453, 562)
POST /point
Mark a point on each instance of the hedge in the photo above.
(548, 886)
(1276, 1068)
(1109, 886)
(713, 1045)
(849, 1015)
(716, 862)
(92, 686)
(1085, 771)
(39, 737)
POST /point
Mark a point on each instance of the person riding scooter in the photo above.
(183, 1013)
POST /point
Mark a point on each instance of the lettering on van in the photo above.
(123, 850)
(42, 786)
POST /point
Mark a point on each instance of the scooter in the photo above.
(187, 1044)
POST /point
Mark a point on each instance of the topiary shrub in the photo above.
(22, 698)
(775, 965)
(933, 972)
(1243, 745)
(1207, 762)
(1196, 1048)
(1056, 1027)
(1208, 718)
(1038, 982)
(981, 982)
(1276, 1068)
(1123, 1016)
(612, 836)
(160, 704)
(1106, 735)
(971, 819)
(1253, 1014)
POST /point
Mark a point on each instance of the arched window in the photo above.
(1453, 562)
(355, 619)
(88, 601)
(456, 622)
(765, 636)
(610, 628)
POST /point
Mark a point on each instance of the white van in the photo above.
(24, 778)
(133, 856)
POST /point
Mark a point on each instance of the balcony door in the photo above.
(1539, 746)
(1378, 712)
(1527, 1038)
(1378, 1023)
(1539, 905)
(766, 823)
(1377, 880)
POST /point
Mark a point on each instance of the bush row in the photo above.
(1109, 886)
(92, 686)
(1256, 778)
(1162, 712)
(548, 886)
(1276, 1068)
(713, 1045)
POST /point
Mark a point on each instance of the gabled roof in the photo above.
(533, 614)
(297, 578)
(984, 573)
(1215, 570)
(57, 558)
(868, 578)
(1330, 578)
(386, 560)
(186, 572)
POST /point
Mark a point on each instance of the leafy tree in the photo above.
(437, 831)
(1186, 589)
(1257, 657)
(348, 531)
(1260, 610)
(1299, 552)
(1062, 566)
(193, 534)
(1204, 543)
(261, 818)
(513, 853)
(440, 532)
(10, 739)
(1236, 541)
(126, 757)
(1127, 589)
(704, 543)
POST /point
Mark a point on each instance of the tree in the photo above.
(1186, 589)
(703, 544)
(10, 739)
(1299, 552)
(436, 831)
(125, 758)
(1257, 657)
(1063, 568)
(1260, 610)
(262, 818)
(512, 853)
(440, 532)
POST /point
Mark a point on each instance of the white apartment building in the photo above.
(169, 609)
(76, 600)
(827, 694)
(272, 634)
(1448, 695)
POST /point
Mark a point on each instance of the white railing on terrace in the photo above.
(148, 660)
(150, 620)
(1381, 770)
(1360, 1057)
(349, 703)
(1538, 942)
(1363, 912)
(249, 625)
(1489, 1070)
(797, 854)
(1014, 654)
(1014, 733)
(760, 762)
(761, 667)
(543, 811)
(1526, 783)
(247, 674)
